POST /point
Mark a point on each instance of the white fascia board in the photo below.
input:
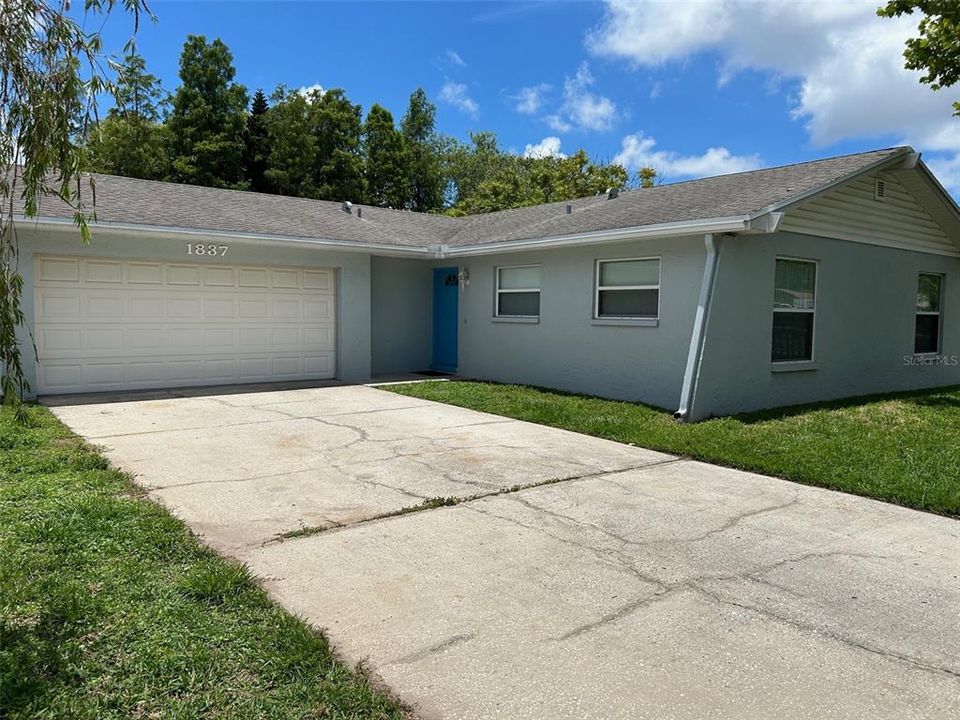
(165, 231)
(733, 224)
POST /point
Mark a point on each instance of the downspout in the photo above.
(692, 371)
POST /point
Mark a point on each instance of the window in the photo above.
(794, 308)
(518, 291)
(929, 293)
(628, 289)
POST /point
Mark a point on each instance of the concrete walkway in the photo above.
(627, 584)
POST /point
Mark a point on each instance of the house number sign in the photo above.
(207, 249)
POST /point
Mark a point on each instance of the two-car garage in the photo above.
(112, 324)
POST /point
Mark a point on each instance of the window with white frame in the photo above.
(794, 310)
(928, 326)
(627, 289)
(518, 291)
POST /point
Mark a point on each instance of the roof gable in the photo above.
(853, 212)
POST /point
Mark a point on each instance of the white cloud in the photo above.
(638, 150)
(582, 107)
(454, 57)
(848, 62)
(558, 123)
(548, 147)
(530, 99)
(308, 90)
(947, 170)
(456, 94)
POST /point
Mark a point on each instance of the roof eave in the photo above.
(731, 224)
(341, 245)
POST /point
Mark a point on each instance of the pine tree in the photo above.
(386, 167)
(208, 118)
(420, 137)
(257, 144)
(130, 141)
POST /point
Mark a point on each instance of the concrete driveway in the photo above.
(608, 582)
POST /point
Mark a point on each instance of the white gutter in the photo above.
(400, 250)
(737, 223)
(697, 337)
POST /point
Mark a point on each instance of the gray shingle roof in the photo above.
(714, 197)
(142, 202)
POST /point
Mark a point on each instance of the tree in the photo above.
(292, 145)
(419, 133)
(385, 160)
(51, 73)
(500, 181)
(337, 126)
(208, 118)
(465, 167)
(130, 141)
(256, 144)
(646, 177)
(937, 49)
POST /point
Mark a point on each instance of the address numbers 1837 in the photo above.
(207, 249)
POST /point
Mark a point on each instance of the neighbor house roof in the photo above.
(126, 202)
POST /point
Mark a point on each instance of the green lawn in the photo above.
(902, 448)
(109, 607)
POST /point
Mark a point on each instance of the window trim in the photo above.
(811, 362)
(498, 291)
(625, 319)
(938, 313)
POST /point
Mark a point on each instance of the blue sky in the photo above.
(693, 88)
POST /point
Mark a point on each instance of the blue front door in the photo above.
(446, 314)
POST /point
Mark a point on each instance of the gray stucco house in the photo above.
(819, 280)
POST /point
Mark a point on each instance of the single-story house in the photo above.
(818, 280)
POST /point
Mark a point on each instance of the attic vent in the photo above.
(347, 207)
(569, 209)
(613, 193)
(880, 190)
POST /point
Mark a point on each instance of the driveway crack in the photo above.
(450, 642)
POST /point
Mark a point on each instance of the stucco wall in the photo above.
(864, 327)
(401, 314)
(566, 348)
(353, 278)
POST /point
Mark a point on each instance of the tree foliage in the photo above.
(131, 141)
(208, 119)
(256, 144)
(484, 178)
(315, 144)
(936, 51)
(51, 72)
(337, 126)
(423, 151)
(385, 160)
(292, 145)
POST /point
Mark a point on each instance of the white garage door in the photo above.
(124, 325)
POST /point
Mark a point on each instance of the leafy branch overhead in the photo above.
(936, 50)
(51, 72)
